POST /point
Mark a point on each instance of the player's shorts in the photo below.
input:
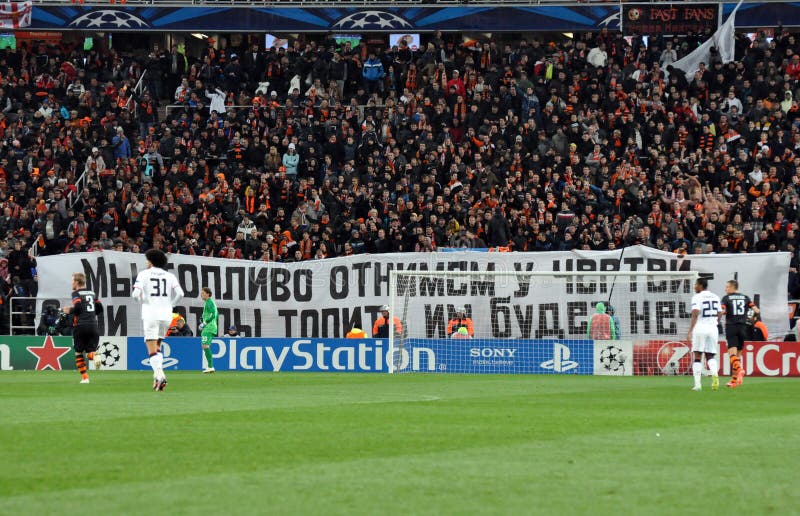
(154, 329)
(736, 334)
(85, 339)
(207, 336)
(705, 340)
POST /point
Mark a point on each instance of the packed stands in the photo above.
(317, 151)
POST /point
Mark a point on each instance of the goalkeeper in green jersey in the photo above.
(208, 327)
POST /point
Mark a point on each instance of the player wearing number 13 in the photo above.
(735, 307)
(703, 332)
(158, 291)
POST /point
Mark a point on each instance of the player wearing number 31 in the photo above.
(158, 291)
(704, 332)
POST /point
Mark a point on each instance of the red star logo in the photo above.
(48, 355)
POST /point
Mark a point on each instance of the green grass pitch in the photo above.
(239, 443)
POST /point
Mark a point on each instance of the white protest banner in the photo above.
(326, 298)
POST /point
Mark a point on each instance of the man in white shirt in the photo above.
(669, 55)
(598, 57)
(731, 102)
(704, 332)
(217, 101)
(756, 176)
(158, 291)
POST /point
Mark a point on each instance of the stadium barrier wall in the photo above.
(326, 298)
(43, 353)
(374, 356)
(406, 18)
(618, 357)
(329, 355)
(276, 355)
(768, 359)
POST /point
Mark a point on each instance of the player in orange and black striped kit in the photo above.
(735, 307)
(85, 334)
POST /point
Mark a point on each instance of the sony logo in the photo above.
(492, 352)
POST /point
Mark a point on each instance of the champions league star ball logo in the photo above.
(109, 354)
(612, 359)
(371, 20)
(109, 19)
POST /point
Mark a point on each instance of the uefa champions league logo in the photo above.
(109, 354)
(372, 20)
(109, 19)
(613, 359)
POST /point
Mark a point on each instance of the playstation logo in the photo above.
(561, 362)
(168, 360)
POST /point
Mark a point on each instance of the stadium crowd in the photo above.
(587, 143)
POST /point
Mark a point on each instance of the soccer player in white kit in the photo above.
(704, 332)
(158, 291)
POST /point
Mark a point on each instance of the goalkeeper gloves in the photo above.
(202, 325)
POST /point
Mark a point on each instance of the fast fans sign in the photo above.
(326, 298)
(663, 18)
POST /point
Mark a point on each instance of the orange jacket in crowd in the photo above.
(381, 327)
(356, 333)
(457, 323)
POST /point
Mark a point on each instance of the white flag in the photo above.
(15, 15)
(724, 41)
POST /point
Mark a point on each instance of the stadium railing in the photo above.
(72, 200)
(175, 107)
(22, 316)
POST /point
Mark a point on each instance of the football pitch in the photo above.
(252, 443)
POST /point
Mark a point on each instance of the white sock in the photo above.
(157, 363)
(713, 366)
(697, 369)
(154, 366)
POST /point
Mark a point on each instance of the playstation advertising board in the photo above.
(506, 356)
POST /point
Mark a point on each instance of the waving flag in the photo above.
(723, 40)
(15, 15)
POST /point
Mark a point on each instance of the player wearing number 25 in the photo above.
(158, 291)
(703, 332)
